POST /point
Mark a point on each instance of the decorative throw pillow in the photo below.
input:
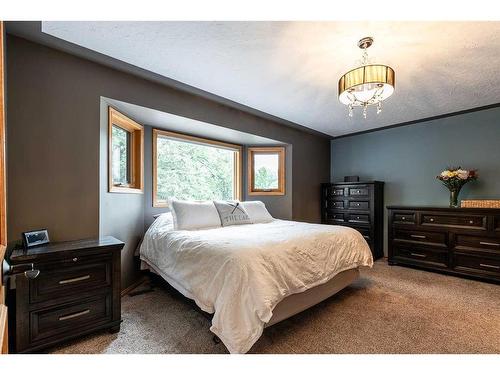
(232, 213)
(257, 211)
(190, 215)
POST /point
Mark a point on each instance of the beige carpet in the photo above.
(388, 310)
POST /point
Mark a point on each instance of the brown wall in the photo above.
(53, 130)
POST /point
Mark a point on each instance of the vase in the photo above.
(454, 198)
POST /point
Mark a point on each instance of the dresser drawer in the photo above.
(464, 242)
(64, 280)
(70, 318)
(335, 204)
(335, 217)
(359, 191)
(436, 238)
(365, 232)
(420, 255)
(458, 221)
(467, 262)
(359, 218)
(359, 205)
(336, 192)
(496, 223)
(403, 218)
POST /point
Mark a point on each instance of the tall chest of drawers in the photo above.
(359, 205)
(457, 241)
(70, 289)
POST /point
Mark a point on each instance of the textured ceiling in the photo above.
(291, 69)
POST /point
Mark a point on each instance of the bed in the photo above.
(254, 275)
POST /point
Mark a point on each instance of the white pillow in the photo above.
(194, 214)
(257, 211)
(164, 221)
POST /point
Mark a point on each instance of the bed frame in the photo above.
(294, 303)
(299, 302)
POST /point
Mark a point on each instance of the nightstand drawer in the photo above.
(70, 318)
(66, 280)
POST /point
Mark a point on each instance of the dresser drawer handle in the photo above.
(489, 243)
(431, 220)
(74, 280)
(75, 315)
(418, 255)
(471, 222)
(417, 236)
(366, 237)
(489, 266)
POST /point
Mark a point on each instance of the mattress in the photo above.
(241, 273)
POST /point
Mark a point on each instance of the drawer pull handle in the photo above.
(367, 237)
(75, 315)
(403, 218)
(417, 236)
(74, 280)
(418, 255)
(471, 222)
(431, 220)
(32, 273)
(489, 266)
(489, 243)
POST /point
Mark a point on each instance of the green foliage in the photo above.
(265, 178)
(193, 171)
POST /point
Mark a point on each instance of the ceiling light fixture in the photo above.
(366, 85)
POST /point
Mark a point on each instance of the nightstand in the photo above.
(75, 292)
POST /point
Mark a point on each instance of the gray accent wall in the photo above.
(408, 158)
(54, 145)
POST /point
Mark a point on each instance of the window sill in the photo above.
(266, 193)
(125, 190)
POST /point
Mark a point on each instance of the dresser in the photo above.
(359, 205)
(63, 290)
(456, 241)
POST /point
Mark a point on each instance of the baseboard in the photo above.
(133, 286)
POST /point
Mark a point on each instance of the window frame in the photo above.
(136, 157)
(237, 183)
(280, 151)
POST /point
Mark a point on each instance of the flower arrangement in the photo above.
(454, 178)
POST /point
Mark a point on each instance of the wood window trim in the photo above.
(203, 141)
(136, 152)
(280, 150)
(3, 200)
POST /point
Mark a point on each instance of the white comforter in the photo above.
(240, 273)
